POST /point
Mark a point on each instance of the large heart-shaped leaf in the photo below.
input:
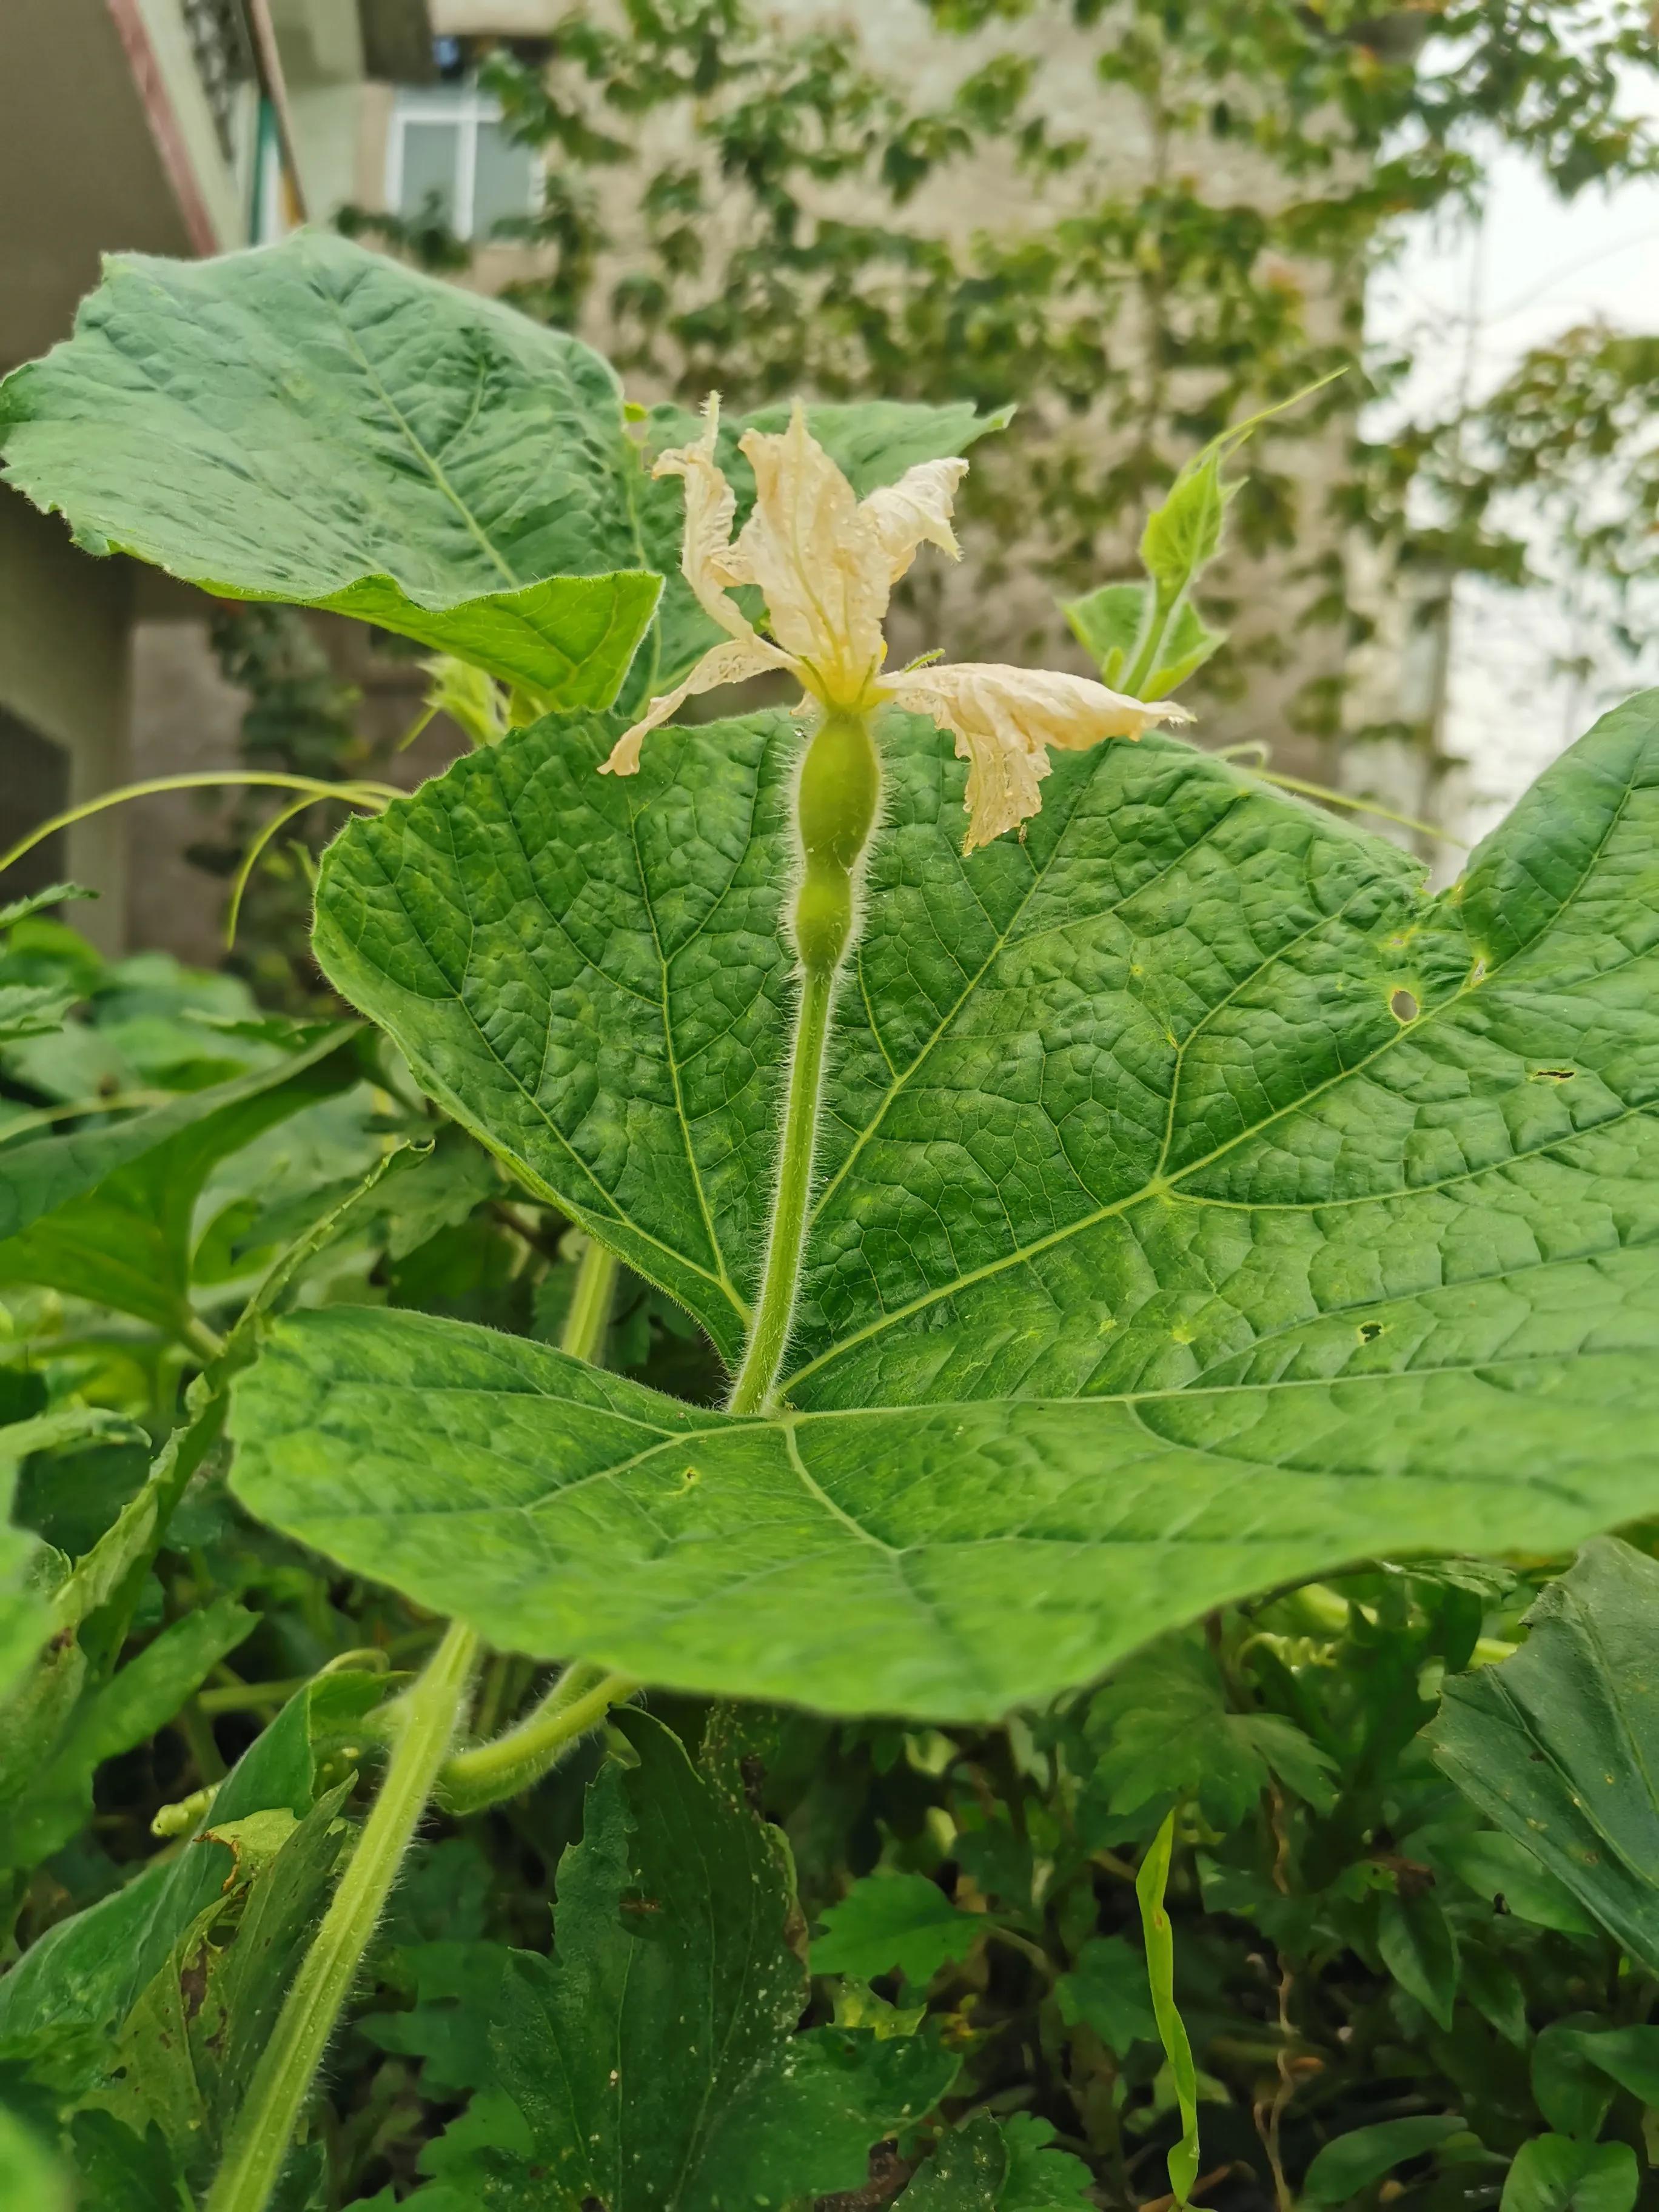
(1220, 1208)
(946, 1559)
(316, 424)
(1194, 1086)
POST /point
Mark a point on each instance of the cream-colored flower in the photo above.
(825, 564)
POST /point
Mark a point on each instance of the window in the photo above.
(449, 149)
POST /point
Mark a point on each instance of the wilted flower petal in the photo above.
(710, 510)
(826, 564)
(819, 567)
(1004, 720)
(722, 663)
(914, 512)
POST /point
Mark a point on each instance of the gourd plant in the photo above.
(1114, 1187)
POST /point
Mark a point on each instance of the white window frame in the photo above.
(464, 107)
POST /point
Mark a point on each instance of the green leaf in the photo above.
(1340, 2170)
(894, 1923)
(1569, 2089)
(108, 1214)
(1503, 1870)
(1040, 2179)
(30, 2177)
(651, 2065)
(1173, 1736)
(1628, 2055)
(29, 1010)
(1106, 623)
(1551, 2174)
(1490, 1984)
(458, 1990)
(120, 2171)
(1283, 1215)
(1558, 1744)
(25, 1618)
(44, 1808)
(1008, 2165)
(315, 424)
(85, 1973)
(945, 1560)
(184, 2055)
(1419, 1949)
(1188, 644)
(1575, 2068)
(32, 902)
(1107, 1991)
(1159, 1046)
(1182, 536)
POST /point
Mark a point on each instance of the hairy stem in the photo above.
(775, 1312)
(426, 1722)
(283, 2079)
(488, 1772)
(835, 804)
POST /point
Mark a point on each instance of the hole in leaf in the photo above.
(1369, 1331)
(1553, 1074)
(1403, 1006)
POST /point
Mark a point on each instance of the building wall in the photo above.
(1000, 602)
(64, 671)
(109, 143)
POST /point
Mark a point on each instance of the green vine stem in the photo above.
(775, 1311)
(423, 1724)
(487, 1772)
(835, 804)
(259, 2143)
(1164, 604)
(591, 1297)
(360, 793)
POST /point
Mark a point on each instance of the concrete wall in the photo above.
(999, 603)
(87, 155)
(501, 19)
(186, 718)
(64, 671)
